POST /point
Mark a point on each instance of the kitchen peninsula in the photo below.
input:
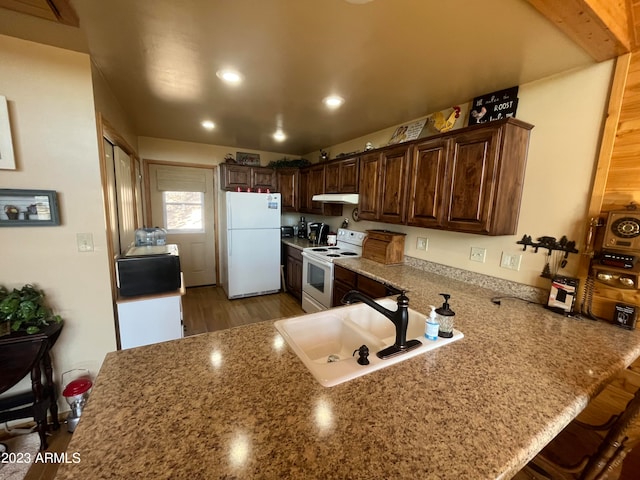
(240, 404)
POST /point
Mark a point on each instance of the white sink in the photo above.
(325, 341)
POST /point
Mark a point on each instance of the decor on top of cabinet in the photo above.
(289, 163)
(405, 133)
(444, 125)
(28, 208)
(494, 106)
(251, 159)
(24, 310)
(324, 156)
(228, 158)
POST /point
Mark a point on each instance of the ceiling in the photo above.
(391, 60)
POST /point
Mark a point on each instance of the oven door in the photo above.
(317, 279)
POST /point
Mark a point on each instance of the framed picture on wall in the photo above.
(28, 208)
(7, 160)
(244, 158)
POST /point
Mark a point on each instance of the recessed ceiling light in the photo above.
(279, 136)
(333, 101)
(208, 124)
(229, 76)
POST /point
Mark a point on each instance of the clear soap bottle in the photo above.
(432, 326)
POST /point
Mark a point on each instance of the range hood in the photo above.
(342, 198)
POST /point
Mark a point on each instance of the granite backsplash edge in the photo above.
(507, 287)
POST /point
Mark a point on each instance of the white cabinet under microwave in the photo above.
(148, 320)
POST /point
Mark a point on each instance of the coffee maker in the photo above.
(318, 233)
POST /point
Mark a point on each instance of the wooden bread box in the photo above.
(383, 246)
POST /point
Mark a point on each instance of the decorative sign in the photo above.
(494, 106)
(407, 132)
(244, 158)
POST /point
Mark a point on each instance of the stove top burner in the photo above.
(349, 254)
(319, 249)
(334, 248)
(332, 255)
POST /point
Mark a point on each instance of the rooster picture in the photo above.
(444, 125)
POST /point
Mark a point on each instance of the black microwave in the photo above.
(148, 270)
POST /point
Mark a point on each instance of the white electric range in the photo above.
(317, 268)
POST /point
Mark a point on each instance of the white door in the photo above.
(182, 203)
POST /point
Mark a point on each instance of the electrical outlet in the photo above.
(511, 261)
(85, 242)
(478, 254)
(422, 243)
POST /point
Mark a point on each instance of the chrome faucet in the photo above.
(399, 318)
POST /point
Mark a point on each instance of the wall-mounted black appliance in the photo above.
(148, 270)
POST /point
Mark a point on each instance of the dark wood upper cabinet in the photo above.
(341, 176)
(312, 182)
(369, 189)
(469, 180)
(427, 182)
(288, 182)
(234, 176)
(263, 177)
(485, 178)
(394, 168)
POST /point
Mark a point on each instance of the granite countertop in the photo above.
(239, 403)
(296, 242)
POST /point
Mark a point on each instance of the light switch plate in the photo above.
(85, 242)
(511, 261)
(422, 243)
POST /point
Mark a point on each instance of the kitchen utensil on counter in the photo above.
(286, 231)
(302, 228)
(319, 231)
(77, 385)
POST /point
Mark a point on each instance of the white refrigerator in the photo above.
(250, 243)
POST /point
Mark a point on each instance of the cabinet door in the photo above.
(288, 180)
(348, 176)
(332, 177)
(369, 186)
(394, 170)
(472, 177)
(427, 183)
(262, 177)
(234, 176)
(371, 287)
(316, 187)
(303, 191)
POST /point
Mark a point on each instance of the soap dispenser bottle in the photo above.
(445, 318)
(431, 330)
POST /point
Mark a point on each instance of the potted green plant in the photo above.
(24, 310)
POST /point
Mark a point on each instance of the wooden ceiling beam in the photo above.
(603, 28)
(54, 10)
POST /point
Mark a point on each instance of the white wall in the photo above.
(567, 112)
(53, 125)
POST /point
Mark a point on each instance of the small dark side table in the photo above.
(21, 353)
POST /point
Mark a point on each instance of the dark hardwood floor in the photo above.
(207, 309)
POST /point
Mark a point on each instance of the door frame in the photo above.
(107, 132)
(147, 198)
